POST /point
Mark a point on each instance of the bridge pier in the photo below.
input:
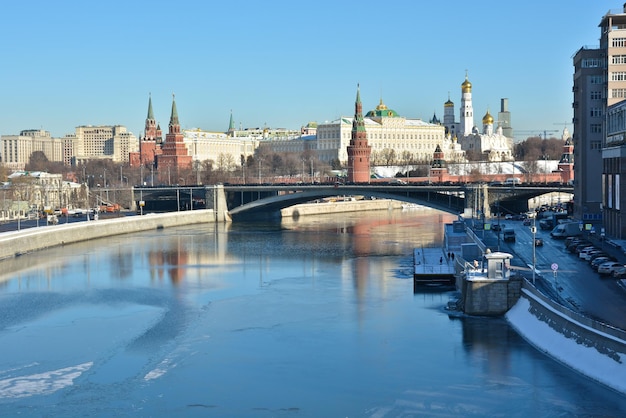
(220, 208)
(477, 199)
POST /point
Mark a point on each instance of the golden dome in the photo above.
(466, 87)
(381, 106)
(449, 103)
(487, 119)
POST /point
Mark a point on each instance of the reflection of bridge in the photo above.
(251, 200)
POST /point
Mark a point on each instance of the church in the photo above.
(491, 144)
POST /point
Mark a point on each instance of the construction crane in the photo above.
(543, 133)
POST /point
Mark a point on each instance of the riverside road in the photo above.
(574, 284)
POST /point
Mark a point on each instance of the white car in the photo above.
(608, 267)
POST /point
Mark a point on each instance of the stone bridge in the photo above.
(241, 201)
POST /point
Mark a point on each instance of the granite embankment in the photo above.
(322, 208)
(27, 240)
(590, 347)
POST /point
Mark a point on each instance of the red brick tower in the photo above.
(438, 170)
(149, 145)
(174, 152)
(358, 151)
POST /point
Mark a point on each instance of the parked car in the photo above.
(619, 273)
(508, 217)
(582, 254)
(608, 267)
(587, 255)
(600, 260)
(599, 254)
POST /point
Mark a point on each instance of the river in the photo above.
(308, 318)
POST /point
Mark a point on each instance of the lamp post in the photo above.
(498, 215)
(545, 169)
(533, 230)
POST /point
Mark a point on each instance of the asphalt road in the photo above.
(574, 284)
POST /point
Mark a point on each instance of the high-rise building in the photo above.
(16, 150)
(590, 94)
(599, 82)
(98, 142)
(504, 118)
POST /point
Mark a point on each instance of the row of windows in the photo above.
(618, 76)
(592, 63)
(618, 59)
(618, 93)
(618, 42)
(595, 112)
(375, 135)
(595, 128)
(596, 79)
(596, 95)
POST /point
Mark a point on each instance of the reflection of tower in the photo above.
(467, 110)
(171, 260)
(358, 151)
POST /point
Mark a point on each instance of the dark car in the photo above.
(497, 227)
(538, 242)
(526, 222)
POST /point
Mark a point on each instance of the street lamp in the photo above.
(545, 169)
(533, 230)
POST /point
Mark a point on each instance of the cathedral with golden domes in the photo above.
(490, 144)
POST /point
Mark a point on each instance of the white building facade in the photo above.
(93, 142)
(409, 139)
(16, 150)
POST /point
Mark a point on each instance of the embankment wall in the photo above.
(338, 207)
(595, 349)
(28, 240)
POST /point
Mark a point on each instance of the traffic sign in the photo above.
(554, 266)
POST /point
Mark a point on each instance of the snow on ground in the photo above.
(586, 360)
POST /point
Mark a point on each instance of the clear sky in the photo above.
(284, 63)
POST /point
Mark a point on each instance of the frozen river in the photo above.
(314, 318)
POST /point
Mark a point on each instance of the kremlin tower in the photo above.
(150, 144)
(174, 152)
(358, 151)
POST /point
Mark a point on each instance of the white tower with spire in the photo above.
(467, 111)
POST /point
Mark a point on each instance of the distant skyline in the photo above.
(282, 64)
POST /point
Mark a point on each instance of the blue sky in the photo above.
(285, 63)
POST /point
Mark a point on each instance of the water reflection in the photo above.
(253, 319)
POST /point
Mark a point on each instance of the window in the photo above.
(595, 128)
(595, 145)
(595, 112)
(618, 59)
(618, 76)
(618, 42)
(618, 93)
(596, 95)
(591, 63)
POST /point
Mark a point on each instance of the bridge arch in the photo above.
(452, 202)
